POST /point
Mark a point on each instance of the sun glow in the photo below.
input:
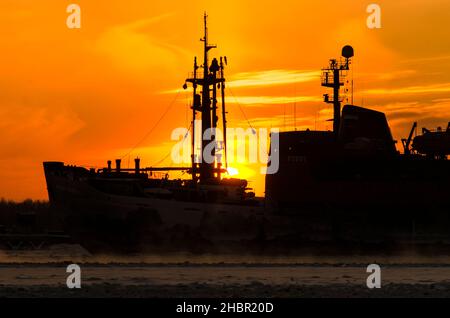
(232, 171)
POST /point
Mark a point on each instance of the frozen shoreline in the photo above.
(253, 290)
(43, 274)
(74, 253)
(223, 281)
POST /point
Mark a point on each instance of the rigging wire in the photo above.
(154, 126)
(170, 152)
(242, 111)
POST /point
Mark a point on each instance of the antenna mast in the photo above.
(332, 77)
(207, 106)
(224, 119)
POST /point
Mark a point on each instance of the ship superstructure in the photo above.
(207, 182)
(353, 183)
(146, 195)
(350, 184)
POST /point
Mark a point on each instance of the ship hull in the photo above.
(90, 215)
(101, 220)
(360, 196)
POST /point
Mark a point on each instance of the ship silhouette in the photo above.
(345, 186)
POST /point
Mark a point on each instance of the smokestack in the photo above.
(118, 165)
(109, 165)
(137, 164)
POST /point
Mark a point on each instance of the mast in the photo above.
(203, 104)
(336, 101)
(206, 169)
(332, 77)
(195, 106)
(224, 120)
(214, 68)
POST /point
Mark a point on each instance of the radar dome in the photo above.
(347, 51)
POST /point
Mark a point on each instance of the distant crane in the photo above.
(407, 142)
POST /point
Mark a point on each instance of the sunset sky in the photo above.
(87, 95)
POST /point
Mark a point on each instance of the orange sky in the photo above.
(85, 96)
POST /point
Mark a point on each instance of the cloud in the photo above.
(272, 100)
(135, 48)
(34, 131)
(426, 59)
(265, 78)
(282, 122)
(410, 90)
(395, 74)
(272, 77)
(427, 114)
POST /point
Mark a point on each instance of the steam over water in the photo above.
(76, 254)
(43, 273)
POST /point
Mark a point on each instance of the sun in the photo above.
(232, 171)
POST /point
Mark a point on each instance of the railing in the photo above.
(327, 78)
(198, 75)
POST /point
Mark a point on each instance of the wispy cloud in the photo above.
(282, 122)
(427, 59)
(272, 77)
(265, 78)
(395, 74)
(410, 90)
(146, 22)
(27, 130)
(256, 101)
(132, 47)
(272, 100)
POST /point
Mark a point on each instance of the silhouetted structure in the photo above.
(345, 185)
(117, 200)
(353, 182)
